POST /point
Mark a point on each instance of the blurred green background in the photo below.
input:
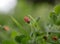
(31, 7)
(34, 8)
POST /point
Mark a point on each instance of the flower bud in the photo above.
(6, 28)
(54, 38)
(27, 19)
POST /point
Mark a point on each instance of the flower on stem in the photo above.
(55, 38)
(6, 28)
(27, 19)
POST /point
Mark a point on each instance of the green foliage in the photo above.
(57, 9)
(8, 42)
(39, 30)
(53, 16)
(56, 15)
(13, 34)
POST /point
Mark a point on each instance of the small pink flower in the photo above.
(6, 28)
(27, 19)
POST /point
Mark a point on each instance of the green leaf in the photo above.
(19, 38)
(22, 30)
(14, 34)
(58, 22)
(53, 16)
(57, 9)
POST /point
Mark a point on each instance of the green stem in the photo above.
(23, 31)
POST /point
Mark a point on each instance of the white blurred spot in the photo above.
(7, 6)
